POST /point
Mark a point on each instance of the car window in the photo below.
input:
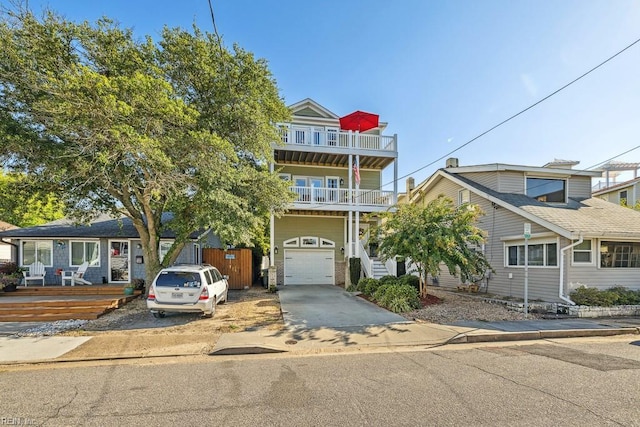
(207, 274)
(183, 279)
(216, 275)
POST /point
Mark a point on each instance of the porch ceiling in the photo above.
(329, 159)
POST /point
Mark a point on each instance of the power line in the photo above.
(614, 157)
(518, 113)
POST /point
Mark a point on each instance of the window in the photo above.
(582, 253)
(464, 197)
(309, 242)
(623, 198)
(291, 243)
(540, 255)
(82, 252)
(619, 254)
(547, 190)
(326, 243)
(163, 249)
(283, 129)
(37, 250)
(332, 137)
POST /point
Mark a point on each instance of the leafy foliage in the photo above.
(388, 279)
(354, 271)
(111, 123)
(23, 204)
(435, 234)
(367, 283)
(613, 296)
(398, 298)
(411, 280)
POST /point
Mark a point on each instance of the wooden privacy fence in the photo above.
(235, 263)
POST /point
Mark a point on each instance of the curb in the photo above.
(537, 335)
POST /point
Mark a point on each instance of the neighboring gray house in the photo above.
(111, 246)
(7, 250)
(575, 239)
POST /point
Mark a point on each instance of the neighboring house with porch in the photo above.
(575, 239)
(7, 250)
(110, 245)
(336, 172)
(626, 192)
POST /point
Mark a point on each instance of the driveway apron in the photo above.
(327, 306)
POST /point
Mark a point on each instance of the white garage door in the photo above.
(308, 267)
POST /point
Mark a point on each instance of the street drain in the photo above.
(291, 342)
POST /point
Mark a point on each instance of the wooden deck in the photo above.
(50, 303)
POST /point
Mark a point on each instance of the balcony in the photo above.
(342, 199)
(305, 144)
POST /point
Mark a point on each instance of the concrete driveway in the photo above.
(327, 306)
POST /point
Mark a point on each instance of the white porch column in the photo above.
(357, 230)
(272, 227)
(350, 201)
(395, 171)
(350, 235)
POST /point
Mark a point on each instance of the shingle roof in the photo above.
(104, 226)
(590, 217)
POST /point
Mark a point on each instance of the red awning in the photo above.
(359, 120)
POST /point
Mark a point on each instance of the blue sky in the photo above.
(439, 72)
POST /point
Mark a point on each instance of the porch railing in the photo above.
(365, 261)
(295, 135)
(342, 196)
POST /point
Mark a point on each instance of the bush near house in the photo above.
(411, 280)
(618, 295)
(391, 293)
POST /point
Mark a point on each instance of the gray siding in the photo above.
(497, 223)
(488, 179)
(510, 182)
(579, 187)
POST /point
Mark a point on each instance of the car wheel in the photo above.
(213, 310)
(159, 314)
(224, 300)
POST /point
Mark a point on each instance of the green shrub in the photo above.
(379, 294)
(411, 280)
(399, 298)
(593, 296)
(371, 287)
(626, 296)
(388, 279)
(354, 270)
(352, 288)
(364, 283)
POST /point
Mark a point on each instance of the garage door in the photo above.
(308, 267)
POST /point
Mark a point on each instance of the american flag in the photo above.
(356, 173)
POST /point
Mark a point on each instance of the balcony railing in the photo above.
(341, 196)
(339, 139)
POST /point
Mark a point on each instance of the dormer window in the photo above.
(547, 190)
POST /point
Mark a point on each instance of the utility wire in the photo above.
(519, 113)
(614, 157)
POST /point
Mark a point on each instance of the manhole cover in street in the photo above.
(291, 342)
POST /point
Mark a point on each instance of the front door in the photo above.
(118, 261)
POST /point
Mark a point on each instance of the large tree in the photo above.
(138, 128)
(433, 235)
(23, 205)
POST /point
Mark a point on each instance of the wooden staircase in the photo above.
(51, 303)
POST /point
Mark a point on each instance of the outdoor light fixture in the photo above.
(139, 246)
(60, 244)
(342, 250)
(275, 250)
(341, 181)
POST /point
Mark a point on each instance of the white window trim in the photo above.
(22, 242)
(308, 245)
(326, 243)
(291, 243)
(71, 242)
(166, 241)
(593, 255)
(566, 185)
(520, 242)
(461, 193)
(599, 254)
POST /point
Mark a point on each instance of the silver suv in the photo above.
(187, 288)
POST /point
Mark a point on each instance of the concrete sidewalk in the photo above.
(16, 350)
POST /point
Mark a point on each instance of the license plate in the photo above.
(176, 295)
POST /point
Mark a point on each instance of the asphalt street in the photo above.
(571, 382)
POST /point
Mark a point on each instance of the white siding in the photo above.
(510, 182)
(488, 179)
